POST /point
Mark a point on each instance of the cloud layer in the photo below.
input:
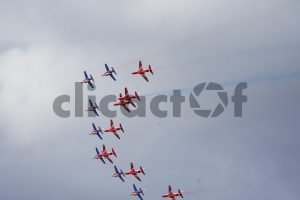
(46, 45)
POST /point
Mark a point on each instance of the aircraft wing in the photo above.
(145, 77)
(139, 195)
(95, 111)
(108, 158)
(116, 169)
(135, 188)
(133, 104)
(117, 135)
(137, 177)
(99, 136)
(89, 82)
(91, 103)
(102, 160)
(94, 126)
(120, 176)
(99, 156)
(106, 67)
(112, 76)
(97, 151)
(126, 108)
(85, 75)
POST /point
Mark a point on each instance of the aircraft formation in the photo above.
(106, 155)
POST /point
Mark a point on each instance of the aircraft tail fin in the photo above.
(137, 96)
(142, 170)
(121, 127)
(113, 151)
(141, 191)
(91, 77)
(114, 71)
(100, 130)
(180, 193)
(121, 172)
(150, 69)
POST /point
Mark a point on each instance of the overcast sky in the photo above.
(46, 45)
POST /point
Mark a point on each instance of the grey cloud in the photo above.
(187, 42)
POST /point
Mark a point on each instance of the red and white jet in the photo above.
(173, 195)
(128, 97)
(134, 172)
(124, 103)
(105, 154)
(114, 129)
(142, 71)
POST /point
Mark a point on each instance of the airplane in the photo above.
(128, 97)
(172, 195)
(114, 129)
(119, 173)
(96, 131)
(105, 154)
(88, 80)
(135, 172)
(93, 107)
(142, 71)
(137, 192)
(124, 103)
(110, 72)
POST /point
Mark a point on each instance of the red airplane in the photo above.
(173, 195)
(134, 172)
(124, 103)
(105, 154)
(128, 97)
(114, 129)
(142, 71)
